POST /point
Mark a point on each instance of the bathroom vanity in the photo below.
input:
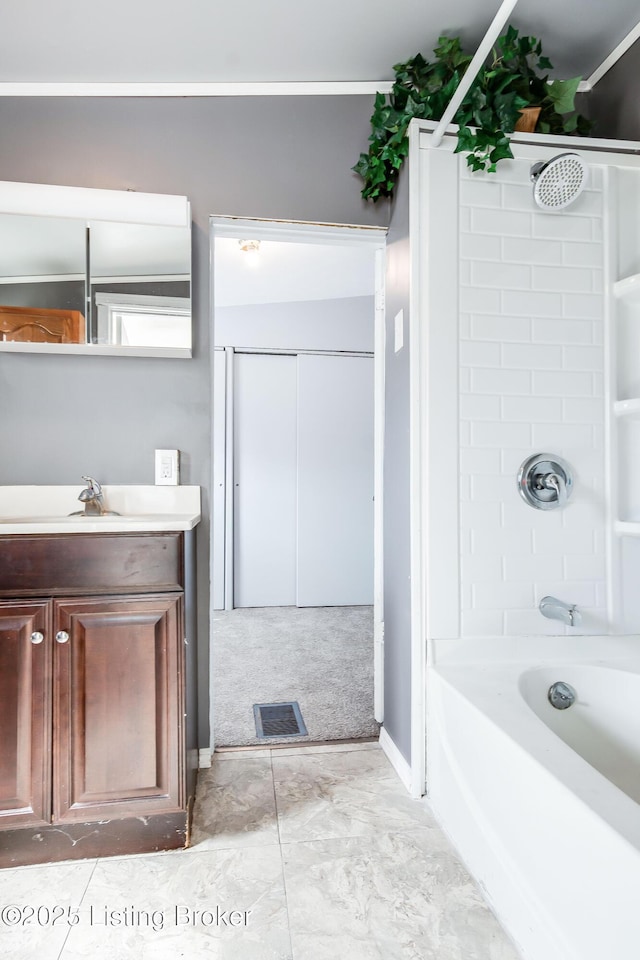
(97, 676)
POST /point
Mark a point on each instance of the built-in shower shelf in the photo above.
(627, 528)
(627, 408)
(629, 288)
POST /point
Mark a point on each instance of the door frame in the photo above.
(299, 231)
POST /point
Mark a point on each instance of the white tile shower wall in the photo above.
(531, 360)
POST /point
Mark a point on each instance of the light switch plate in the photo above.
(398, 328)
(167, 468)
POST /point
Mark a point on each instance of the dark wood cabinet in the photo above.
(117, 708)
(92, 698)
(25, 713)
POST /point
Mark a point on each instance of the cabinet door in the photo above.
(25, 713)
(118, 707)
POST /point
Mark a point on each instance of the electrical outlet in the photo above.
(167, 468)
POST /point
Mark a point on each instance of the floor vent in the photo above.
(279, 720)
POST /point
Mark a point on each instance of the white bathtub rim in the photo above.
(522, 899)
(513, 718)
(535, 925)
(531, 649)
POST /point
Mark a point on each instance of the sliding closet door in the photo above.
(335, 481)
(264, 480)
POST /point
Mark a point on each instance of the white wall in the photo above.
(344, 324)
(525, 369)
(530, 380)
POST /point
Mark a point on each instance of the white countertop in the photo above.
(45, 509)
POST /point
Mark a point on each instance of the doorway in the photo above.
(297, 502)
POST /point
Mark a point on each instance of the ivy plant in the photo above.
(514, 77)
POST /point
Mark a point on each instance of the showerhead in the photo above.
(559, 181)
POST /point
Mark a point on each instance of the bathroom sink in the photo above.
(33, 510)
(69, 518)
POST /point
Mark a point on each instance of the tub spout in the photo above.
(556, 609)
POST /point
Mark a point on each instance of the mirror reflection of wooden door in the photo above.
(37, 325)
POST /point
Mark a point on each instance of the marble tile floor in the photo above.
(307, 853)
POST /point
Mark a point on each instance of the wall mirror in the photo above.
(94, 272)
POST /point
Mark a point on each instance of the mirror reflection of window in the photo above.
(140, 285)
(143, 321)
(155, 330)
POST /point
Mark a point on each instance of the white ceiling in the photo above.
(279, 40)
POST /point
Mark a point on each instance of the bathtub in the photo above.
(543, 804)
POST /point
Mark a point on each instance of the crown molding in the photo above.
(305, 88)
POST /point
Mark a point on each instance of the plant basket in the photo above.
(528, 119)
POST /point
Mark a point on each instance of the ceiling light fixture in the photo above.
(249, 246)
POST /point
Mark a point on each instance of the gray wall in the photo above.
(280, 157)
(58, 295)
(614, 104)
(397, 583)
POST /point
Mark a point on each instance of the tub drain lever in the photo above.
(561, 695)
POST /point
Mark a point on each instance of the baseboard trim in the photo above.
(204, 758)
(395, 758)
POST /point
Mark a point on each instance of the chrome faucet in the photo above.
(93, 498)
(556, 609)
(555, 482)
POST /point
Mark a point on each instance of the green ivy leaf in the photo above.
(501, 151)
(571, 123)
(466, 140)
(507, 108)
(562, 94)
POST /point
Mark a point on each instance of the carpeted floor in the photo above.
(320, 656)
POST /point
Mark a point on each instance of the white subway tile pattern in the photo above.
(562, 331)
(531, 361)
(531, 251)
(504, 329)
